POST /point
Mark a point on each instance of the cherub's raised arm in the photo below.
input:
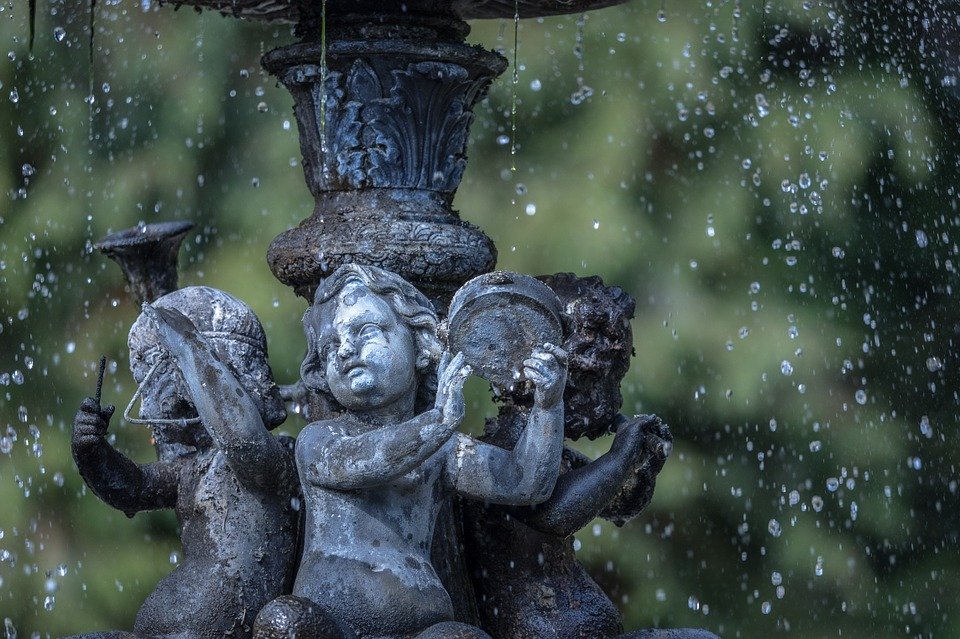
(115, 479)
(584, 492)
(331, 458)
(335, 459)
(226, 409)
(527, 474)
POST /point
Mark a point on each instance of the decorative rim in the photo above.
(291, 10)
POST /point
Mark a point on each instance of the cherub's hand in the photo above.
(174, 329)
(644, 442)
(90, 425)
(645, 439)
(451, 377)
(547, 369)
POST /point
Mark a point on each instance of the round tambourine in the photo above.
(497, 319)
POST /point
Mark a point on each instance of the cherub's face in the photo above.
(164, 395)
(367, 351)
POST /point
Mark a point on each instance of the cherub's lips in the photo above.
(352, 369)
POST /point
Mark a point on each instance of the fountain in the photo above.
(384, 95)
(775, 184)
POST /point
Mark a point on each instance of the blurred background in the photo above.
(774, 182)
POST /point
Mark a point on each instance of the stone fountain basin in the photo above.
(294, 10)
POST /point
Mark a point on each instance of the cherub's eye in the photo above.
(328, 349)
(370, 331)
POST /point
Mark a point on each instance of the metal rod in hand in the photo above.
(103, 366)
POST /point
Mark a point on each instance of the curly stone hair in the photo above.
(599, 343)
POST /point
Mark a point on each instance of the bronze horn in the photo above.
(147, 254)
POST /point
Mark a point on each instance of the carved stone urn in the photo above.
(384, 93)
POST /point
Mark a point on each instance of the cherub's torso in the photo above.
(221, 521)
(367, 551)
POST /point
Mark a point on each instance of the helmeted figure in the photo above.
(200, 358)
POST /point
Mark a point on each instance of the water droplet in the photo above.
(818, 568)
(531, 209)
(596, 224)
(746, 163)
(70, 347)
(774, 528)
(833, 484)
(58, 479)
(535, 85)
(934, 364)
(794, 497)
(766, 607)
(763, 108)
(174, 558)
(59, 33)
(503, 139)
(817, 502)
(921, 237)
(926, 429)
(754, 288)
(793, 332)
(860, 396)
(6, 445)
(838, 252)
(49, 602)
(581, 95)
(743, 332)
(786, 368)
(693, 603)
(262, 107)
(9, 628)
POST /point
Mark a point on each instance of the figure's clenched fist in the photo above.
(90, 424)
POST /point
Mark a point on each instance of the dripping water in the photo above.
(662, 12)
(323, 84)
(583, 91)
(737, 12)
(516, 82)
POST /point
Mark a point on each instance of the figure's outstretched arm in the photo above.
(112, 477)
(335, 459)
(226, 409)
(527, 474)
(585, 491)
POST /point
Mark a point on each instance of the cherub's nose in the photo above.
(346, 349)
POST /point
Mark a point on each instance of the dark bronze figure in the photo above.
(527, 579)
(200, 358)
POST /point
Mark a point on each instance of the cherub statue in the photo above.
(375, 477)
(528, 582)
(208, 393)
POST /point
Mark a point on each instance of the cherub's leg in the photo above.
(453, 630)
(290, 617)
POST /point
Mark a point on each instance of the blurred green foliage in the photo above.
(775, 183)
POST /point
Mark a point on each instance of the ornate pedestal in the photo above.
(384, 114)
